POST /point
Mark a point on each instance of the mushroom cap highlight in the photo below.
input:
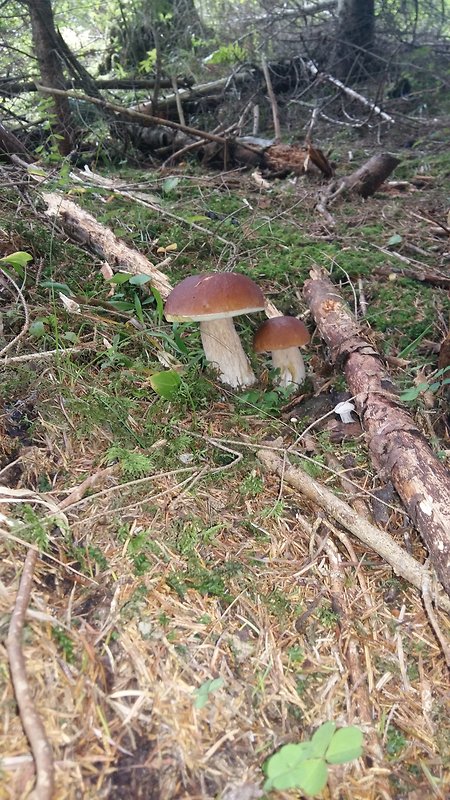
(209, 296)
(279, 333)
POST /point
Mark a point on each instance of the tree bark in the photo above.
(355, 36)
(397, 447)
(84, 228)
(45, 43)
(366, 180)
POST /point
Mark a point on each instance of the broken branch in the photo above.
(378, 540)
(397, 446)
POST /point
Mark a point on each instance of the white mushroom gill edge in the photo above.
(224, 350)
(291, 365)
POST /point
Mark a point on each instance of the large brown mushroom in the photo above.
(213, 300)
(282, 336)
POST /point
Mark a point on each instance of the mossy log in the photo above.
(397, 447)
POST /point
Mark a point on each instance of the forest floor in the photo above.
(186, 563)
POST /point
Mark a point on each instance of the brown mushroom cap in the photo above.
(279, 333)
(199, 298)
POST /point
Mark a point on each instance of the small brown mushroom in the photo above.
(282, 336)
(213, 299)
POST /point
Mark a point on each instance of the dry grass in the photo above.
(116, 687)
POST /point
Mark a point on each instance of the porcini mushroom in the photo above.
(282, 336)
(213, 300)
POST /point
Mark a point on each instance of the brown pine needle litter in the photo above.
(202, 574)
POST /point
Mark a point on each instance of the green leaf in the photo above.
(138, 309)
(433, 387)
(159, 302)
(122, 305)
(197, 218)
(314, 775)
(120, 277)
(71, 336)
(410, 394)
(322, 738)
(346, 744)
(203, 692)
(166, 384)
(395, 239)
(139, 280)
(58, 287)
(37, 329)
(283, 768)
(18, 259)
(170, 184)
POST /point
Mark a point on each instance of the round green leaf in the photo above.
(139, 280)
(314, 775)
(166, 384)
(322, 738)
(37, 329)
(282, 768)
(120, 277)
(345, 745)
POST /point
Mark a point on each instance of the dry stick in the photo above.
(397, 447)
(31, 721)
(178, 101)
(5, 362)
(378, 540)
(323, 76)
(273, 101)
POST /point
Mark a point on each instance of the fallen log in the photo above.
(397, 447)
(84, 228)
(364, 181)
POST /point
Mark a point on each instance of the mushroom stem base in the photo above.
(223, 349)
(291, 366)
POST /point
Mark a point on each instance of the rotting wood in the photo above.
(84, 228)
(367, 179)
(397, 447)
(378, 540)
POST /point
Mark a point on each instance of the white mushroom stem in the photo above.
(291, 366)
(223, 349)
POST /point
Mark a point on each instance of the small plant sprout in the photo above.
(207, 688)
(213, 300)
(283, 336)
(344, 411)
(305, 765)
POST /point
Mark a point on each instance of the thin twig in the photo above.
(378, 540)
(26, 324)
(6, 362)
(31, 721)
(273, 101)
(427, 601)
